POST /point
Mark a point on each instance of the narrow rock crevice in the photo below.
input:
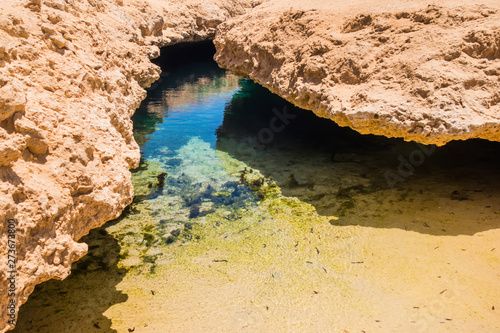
(72, 73)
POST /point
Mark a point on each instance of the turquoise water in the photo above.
(207, 153)
(198, 116)
(177, 129)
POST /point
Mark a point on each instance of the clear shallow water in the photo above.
(198, 111)
(209, 245)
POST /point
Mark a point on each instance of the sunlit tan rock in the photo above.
(71, 75)
(73, 72)
(410, 69)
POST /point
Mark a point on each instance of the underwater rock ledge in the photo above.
(72, 74)
(423, 72)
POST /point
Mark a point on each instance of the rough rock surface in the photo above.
(72, 72)
(71, 75)
(419, 70)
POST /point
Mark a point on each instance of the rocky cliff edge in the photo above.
(73, 72)
(427, 71)
(71, 75)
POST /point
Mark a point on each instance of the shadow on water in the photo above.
(78, 303)
(364, 179)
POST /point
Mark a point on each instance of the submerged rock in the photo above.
(456, 195)
(194, 211)
(161, 179)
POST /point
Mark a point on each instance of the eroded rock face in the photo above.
(72, 72)
(428, 73)
(71, 75)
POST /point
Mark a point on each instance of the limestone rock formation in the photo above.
(71, 75)
(72, 72)
(419, 70)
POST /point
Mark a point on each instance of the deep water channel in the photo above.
(253, 215)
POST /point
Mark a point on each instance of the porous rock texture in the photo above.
(72, 72)
(427, 71)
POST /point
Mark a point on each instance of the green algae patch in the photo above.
(248, 233)
(145, 178)
(274, 243)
